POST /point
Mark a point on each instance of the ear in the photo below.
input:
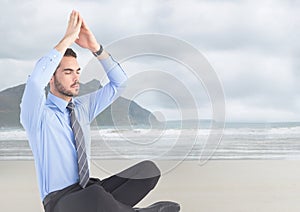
(51, 82)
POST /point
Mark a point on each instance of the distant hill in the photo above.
(125, 112)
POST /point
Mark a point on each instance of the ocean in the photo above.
(238, 141)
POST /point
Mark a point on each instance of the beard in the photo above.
(63, 90)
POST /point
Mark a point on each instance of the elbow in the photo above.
(121, 82)
(121, 87)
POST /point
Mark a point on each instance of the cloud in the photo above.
(13, 72)
(252, 45)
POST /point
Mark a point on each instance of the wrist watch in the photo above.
(97, 53)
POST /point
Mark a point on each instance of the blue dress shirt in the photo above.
(47, 121)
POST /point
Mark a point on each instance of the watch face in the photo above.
(97, 53)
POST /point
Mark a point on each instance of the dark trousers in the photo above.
(119, 192)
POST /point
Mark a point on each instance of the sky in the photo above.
(251, 45)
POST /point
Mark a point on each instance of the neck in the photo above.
(62, 96)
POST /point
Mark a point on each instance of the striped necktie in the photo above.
(83, 169)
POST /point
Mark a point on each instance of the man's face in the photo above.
(65, 81)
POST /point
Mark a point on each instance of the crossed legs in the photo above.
(119, 192)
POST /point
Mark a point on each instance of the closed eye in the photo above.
(69, 71)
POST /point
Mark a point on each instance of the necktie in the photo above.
(83, 169)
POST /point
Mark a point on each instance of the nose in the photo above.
(76, 77)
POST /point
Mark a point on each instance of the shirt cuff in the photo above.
(55, 56)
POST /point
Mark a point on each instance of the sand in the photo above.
(217, 186)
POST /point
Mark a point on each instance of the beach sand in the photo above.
(217, 186)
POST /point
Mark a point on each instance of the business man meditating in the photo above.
(58, 129)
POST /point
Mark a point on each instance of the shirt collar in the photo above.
(58, 102)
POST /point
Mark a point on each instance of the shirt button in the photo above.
(44, 67)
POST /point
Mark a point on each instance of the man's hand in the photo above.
(79, 33)
(87, 39)
(72, 32)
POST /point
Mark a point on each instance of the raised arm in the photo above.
(102, 98)
(99, 100)
(33, 98)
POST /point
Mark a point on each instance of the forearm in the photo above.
(102, 98)
(114, 71)
(63, 45)
(104, 55)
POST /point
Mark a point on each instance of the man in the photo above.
(58, 133)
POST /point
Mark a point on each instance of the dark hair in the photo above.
(70, 53)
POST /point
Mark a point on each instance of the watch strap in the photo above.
(97, 53)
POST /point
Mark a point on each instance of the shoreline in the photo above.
(217, 186)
